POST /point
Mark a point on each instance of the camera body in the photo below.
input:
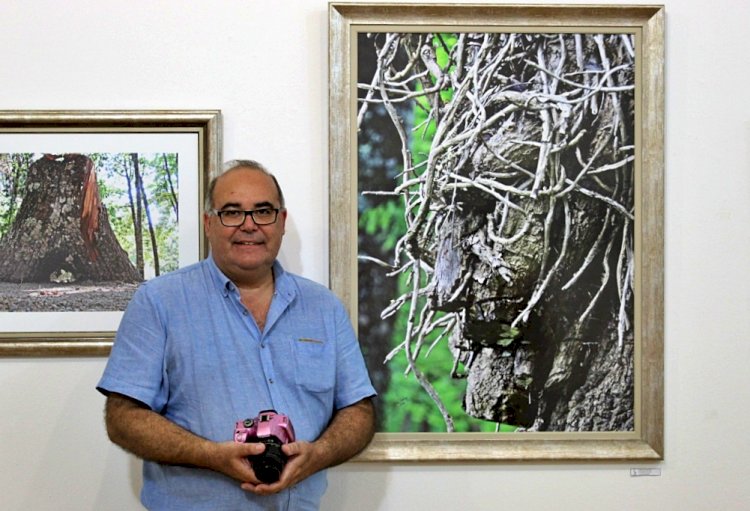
(272, 429)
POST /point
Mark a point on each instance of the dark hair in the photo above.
(238, 164)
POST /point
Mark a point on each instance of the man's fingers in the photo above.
(253, 448)
(291, 449)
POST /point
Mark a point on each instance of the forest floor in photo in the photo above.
(58, 297)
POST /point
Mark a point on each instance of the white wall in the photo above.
(264, 64)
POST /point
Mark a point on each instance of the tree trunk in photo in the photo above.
(138, 216)
(62, 228)
(558, 373)
(151, 230)
(170, 185)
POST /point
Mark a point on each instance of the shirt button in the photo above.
(262, 345)
(270, 380)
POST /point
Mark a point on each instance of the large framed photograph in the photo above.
(497, 225)
(92, 203)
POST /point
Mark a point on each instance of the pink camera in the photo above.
(273, 430)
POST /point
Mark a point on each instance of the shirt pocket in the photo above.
(315, 364)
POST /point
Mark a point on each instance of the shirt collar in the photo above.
(283, 283)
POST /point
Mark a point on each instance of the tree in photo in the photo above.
(61, 230)
(515, 183)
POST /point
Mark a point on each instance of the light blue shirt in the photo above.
(189, 349)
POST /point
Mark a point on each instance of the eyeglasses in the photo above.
(236, 217)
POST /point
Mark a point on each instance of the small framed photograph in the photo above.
(92, 203)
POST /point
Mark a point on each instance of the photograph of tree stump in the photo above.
(496, 192)
(79, 232)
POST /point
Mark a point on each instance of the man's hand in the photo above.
(230, 458)
(302, 462)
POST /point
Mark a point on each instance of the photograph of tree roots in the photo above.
(78, 232)
(495, 231)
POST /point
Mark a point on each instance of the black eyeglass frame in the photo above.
(251, 212)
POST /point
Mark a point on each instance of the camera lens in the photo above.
(269, 464)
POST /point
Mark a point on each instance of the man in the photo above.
(224, 339)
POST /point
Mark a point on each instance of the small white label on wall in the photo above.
(640, 472)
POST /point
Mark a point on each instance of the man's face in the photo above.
(249, 250)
